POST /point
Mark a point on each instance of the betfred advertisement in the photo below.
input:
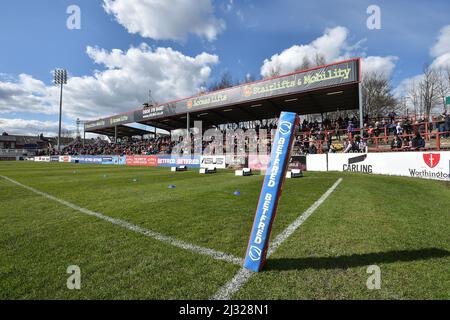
(87, 159)
(211, 162)
(144, 161)
(167, 161)
(270, 192)
(427, 165)
(108, 159)
(93, 159)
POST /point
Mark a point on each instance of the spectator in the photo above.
(312, 148)
(398, 129)
(392, 116)
(408, 126)
(417, 142)
(348, 145)
(359, 145)
(350, 130)
(440, 122)
(396, 143)
(332, 148)
(337, 130)
(363, 146)
(407, 144)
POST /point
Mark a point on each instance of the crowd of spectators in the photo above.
(124, 146)
(341, 134)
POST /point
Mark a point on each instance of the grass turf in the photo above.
(400, 224)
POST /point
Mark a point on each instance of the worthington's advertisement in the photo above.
(427, 165)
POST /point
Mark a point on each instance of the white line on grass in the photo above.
(243, 275)
(155, 235)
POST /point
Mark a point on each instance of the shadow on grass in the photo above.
(355, 260)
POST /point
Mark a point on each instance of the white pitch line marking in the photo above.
(148, 233)
(243, 275)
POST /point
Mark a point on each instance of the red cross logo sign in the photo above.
(431, 159)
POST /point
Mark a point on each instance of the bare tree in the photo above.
(319, 60)
(377, 95)
(249, 78)
(447, 74)
(306, 64)
(415, 97)
(428, 87)
(274, 71)
(226, 81)
(443, 85)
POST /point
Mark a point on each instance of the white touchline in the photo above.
(243, 275)
(155, 235)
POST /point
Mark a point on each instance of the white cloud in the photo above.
(333, 46)
(122, 86)
(166, 20)
(442, 45)
(26, 94)
(31, 127)
(382, 65)
(442, 61)
(406, 84)
(441, 50)
(129, 76)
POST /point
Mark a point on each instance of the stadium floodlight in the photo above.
(60, 78)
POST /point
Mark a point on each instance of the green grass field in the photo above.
(400, 224)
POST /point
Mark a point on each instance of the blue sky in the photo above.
(35, 40)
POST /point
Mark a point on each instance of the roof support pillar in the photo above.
(361, 116)
(188, 124)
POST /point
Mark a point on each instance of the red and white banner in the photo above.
(258, 162)
(65, 158)
(146, 161)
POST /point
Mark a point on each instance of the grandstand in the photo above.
(318, 90)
